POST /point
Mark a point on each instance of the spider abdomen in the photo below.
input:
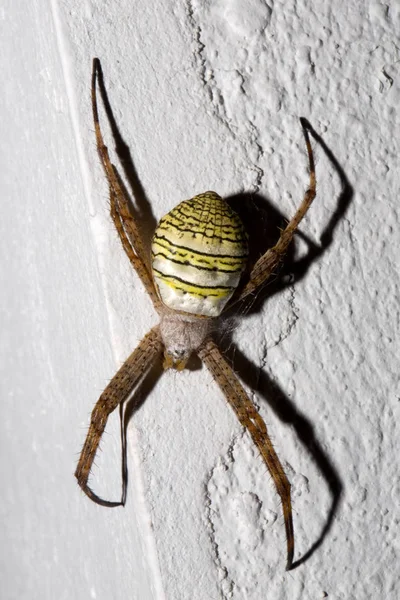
(199, 251)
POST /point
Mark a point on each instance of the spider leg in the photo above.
(141, 270)
(116, 392)
(123, 220)
(269, 262)
(252, 421)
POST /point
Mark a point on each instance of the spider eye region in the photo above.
(199, 251)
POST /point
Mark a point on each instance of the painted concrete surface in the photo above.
(207, 95)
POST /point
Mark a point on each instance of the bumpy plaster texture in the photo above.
(207, 95)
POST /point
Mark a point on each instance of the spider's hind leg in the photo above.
(119, 388)
(253, 422)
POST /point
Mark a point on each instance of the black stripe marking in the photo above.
(183, 254)
(179, 210)
(187, 263)
(195, 285)
(236, 240)
(198, 252)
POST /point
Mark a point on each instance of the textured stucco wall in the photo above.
(207, 95)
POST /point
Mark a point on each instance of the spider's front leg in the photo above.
(124, 222)
(253, 422)
(270, 261)
(118, 390)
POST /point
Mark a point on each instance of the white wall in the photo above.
(207, 96)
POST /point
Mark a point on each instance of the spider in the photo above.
(198, 255)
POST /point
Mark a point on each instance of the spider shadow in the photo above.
(128, 409)
(141, 208)
(134, 403)
(264, 228)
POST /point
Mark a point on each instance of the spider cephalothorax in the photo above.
(199, 252)
(182, 335)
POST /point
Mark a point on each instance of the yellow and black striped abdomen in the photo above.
(199, 251)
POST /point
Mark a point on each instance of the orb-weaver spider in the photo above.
(199, 251)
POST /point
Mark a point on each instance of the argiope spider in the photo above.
(199, 252)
